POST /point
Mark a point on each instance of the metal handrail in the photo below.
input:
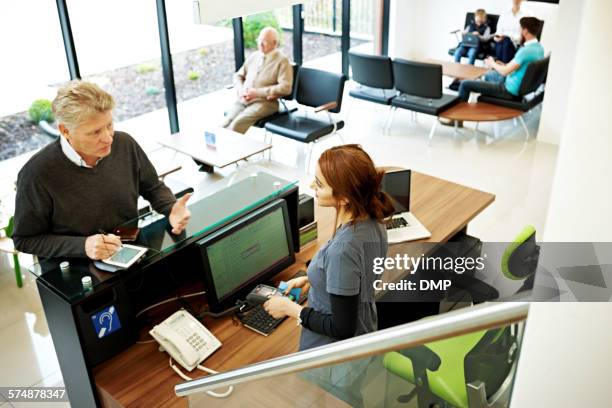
(451, 324)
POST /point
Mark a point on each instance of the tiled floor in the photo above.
(519, 173)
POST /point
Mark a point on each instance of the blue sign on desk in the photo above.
(106, 321)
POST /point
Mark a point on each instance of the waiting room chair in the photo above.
(6, 245)
(531, 92)
(419, 86)
(374, 74)
(318, 89)
(486, 49)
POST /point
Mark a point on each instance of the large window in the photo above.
(33, 63)
(117, 46)
(322, 31)
(202, 61)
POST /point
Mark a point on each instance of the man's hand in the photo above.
(180, 214)
(249, 94)
(498, 38)
(102, 246)
(490, 62)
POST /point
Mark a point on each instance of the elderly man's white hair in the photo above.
(269, 33)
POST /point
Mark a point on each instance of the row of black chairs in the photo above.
(399, 83)
(417, 86)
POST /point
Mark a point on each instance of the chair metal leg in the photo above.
(17, 266)
(309, 157)
(524, 127)
(432, 131)
(386, 122)
(394, 109)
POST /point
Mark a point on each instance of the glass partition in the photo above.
(470, 370)
(222, 202)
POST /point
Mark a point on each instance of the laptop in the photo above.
(470, 40)
(403, 225)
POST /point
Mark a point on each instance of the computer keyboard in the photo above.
(396, 223)
(257, 319)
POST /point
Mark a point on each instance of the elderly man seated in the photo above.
(265, 76)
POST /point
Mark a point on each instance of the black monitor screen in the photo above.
(247, 252)
(397, 185)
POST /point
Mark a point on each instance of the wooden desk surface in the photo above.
(459, 71)
(141, 377)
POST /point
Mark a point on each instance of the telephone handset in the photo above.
(185, 339)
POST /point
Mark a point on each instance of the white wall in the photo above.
(564, 42)
(565, 360)
(565, 357)
(581, 196)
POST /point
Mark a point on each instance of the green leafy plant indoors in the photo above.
(252, 25)
(41, 110)
(193, 75)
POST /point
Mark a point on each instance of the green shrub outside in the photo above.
(252, 25)
(41, 110)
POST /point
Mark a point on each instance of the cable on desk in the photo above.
(240, 305)
(227, 393)
(173, 299)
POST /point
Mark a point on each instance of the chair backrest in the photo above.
(479, 356)
(492, 20)
(317, 87)
(520, 259)
(296, 73)
(375, 71)
(418, 78)
(535, 75)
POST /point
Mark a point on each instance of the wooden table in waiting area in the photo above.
(479, 112)
(459, 71)
(230, 147)
(140, 376)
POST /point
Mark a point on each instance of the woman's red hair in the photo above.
(351, 174)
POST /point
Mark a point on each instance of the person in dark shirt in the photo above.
(341, 295)
(478, 27)
(87, 181)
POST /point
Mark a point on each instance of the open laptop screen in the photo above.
(397, 185)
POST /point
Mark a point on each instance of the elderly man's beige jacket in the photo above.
(270, 75)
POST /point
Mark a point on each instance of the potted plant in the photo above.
(40, 112)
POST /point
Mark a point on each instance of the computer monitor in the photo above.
(245, 253)
(397, 185)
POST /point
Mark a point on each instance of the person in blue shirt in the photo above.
(504, 80)
(478, 27)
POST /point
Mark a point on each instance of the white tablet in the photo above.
(126, 256)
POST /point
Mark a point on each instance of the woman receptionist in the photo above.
(341, 296)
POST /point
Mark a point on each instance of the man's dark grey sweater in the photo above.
(59, 204)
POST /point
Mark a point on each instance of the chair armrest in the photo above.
(422, 358)
(326, 107)
(455, 31)
(230, 86)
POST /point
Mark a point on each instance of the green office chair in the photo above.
(472, 370)
(519, 262)
(464, 371)
(6, 245)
